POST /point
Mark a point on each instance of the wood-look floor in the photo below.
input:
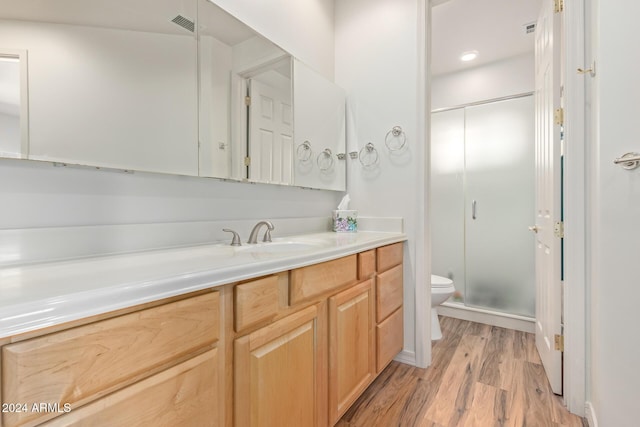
(481, 376)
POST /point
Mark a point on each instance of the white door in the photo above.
(270, 134)
(614, 254)
(547, 164)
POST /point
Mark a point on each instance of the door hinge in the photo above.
(558, 229)
(247, 161)
(559, 342)
(247, 101)
(558, 116)
(558, 6)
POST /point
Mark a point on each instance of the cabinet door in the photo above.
(351, 346)
(278, 373)
(390, 338)
(184, 395)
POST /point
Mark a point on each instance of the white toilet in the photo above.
(441, 289)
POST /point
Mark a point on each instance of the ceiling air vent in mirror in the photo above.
(185, 23)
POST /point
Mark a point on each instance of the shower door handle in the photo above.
(473, 209)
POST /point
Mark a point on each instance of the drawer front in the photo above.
(389, 256)
(390, 338)
(389, 293)
(314, 280)
(366, 264)
(185, 395)
(255, 301)
(80, 364)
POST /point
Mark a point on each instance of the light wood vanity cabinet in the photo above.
(389, 297)
(336, 324)
(295, 348)
(150, 353)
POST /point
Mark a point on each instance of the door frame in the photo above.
(575, 204)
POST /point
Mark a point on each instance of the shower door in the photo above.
(483, 201)
(447, 197)
(499, 203)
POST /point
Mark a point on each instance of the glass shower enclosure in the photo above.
(482, 202)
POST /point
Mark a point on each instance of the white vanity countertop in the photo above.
(41, 295)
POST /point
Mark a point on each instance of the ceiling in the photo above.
(494, 28)
(138, 15)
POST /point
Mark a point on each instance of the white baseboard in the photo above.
(503, 320)
(590, 414)
(408, 357)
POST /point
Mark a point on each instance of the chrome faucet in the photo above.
(253, 237)
(236, 237)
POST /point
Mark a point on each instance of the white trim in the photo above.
(488, 317)
(590, 414)
(405, 356)
(422, 286)
(575, 208)
(482, 102)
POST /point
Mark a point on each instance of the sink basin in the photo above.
(283, 246)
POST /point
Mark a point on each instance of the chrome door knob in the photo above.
(533, 228)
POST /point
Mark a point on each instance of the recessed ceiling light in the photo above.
(469, 56)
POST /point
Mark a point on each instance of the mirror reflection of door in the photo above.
(11, 107)
(270, 146)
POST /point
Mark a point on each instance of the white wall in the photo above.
(304, 28)
(502, 78)
(378, 60)
(39, 195)
(614, 198)
(319, 111)
(9, 135)
(110, 97)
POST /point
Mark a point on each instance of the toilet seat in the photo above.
(440, 282)
(441, 289)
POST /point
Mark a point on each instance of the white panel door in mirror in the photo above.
(270, 130)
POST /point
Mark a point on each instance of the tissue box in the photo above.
(345, 221)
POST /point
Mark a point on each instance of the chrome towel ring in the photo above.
(395, 139)
(325, 160)
(304, 152)
(368, 155)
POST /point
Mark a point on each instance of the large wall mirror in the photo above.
(178, 86)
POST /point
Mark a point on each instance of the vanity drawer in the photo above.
(390, 338)
(388, 256)
(185, 395)
(255, 302)
(389, 293)
(314, 280)
(81, 364)
(366, 264)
